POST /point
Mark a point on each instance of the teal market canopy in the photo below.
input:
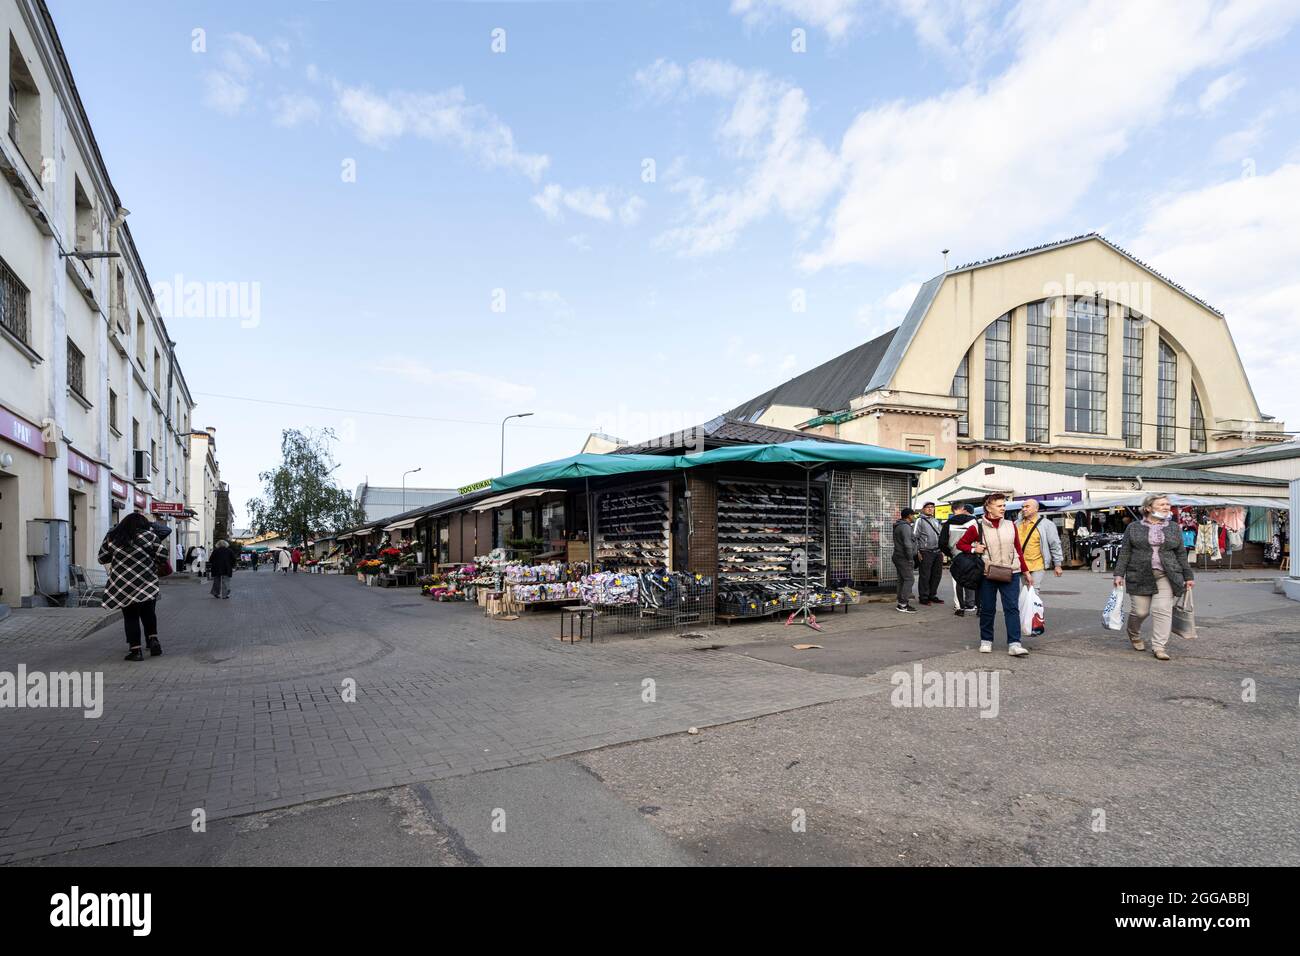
(805, 453)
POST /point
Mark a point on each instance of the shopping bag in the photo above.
(1031, 612)
(956, 594)
(1185, 617)
(1112, 616)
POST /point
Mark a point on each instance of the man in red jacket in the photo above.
(994, 537)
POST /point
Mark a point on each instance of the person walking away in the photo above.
(1152, 566)
(295, 557)
(189, 558)
(132, 550)
(283, 561)
(930, 573)
(1040, 542)
(201, 561)
(253, 560)
(905, 558)
(222, 565)
(995, 539)
(950, 533)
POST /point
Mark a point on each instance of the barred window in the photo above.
(1085, 366)
(1198, 423)
(1134, 329)
(997, 380)
(13, 304)
(961, 391)
(1167, 398)
(76, 369)
(1038, 363)
(112, 409)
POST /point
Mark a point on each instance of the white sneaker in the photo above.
(986, 647)
(1018, 650)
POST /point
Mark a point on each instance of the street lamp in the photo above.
(503, 436)
(404, 474)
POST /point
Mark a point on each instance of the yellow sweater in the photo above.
(1031, 544)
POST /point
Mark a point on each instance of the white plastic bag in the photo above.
(1185, 617)
(1031, 612)
(1112, 617)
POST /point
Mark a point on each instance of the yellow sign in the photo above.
(943, 512)
(477, 486)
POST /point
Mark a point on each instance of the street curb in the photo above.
(108, 619)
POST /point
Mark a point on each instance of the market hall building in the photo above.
(1073, 351)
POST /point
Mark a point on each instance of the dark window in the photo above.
(1038, 362)
(1167, 398)
(13, 304)
(961, 390)
(1198, 423)
(76, 369)
(112, 409)
(135, 435)
(1134, 330)
(997, 380)
(1085, 366)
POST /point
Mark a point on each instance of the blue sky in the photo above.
(633, 304)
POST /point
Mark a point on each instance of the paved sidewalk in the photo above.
(38, 625)
(245, 712)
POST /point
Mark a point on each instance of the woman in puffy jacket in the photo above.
(1153, 568)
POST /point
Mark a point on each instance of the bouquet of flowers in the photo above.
(390, 555)
(370, 566)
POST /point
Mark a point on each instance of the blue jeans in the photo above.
(989, 591)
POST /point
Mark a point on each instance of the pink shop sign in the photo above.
(21, 432)
(84, 467)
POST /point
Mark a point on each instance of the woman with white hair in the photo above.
(1153, 568)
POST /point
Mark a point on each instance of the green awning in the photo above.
(584, 466)
(796, 452)
(815, 452)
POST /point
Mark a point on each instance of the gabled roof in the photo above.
(1145, 472)
(719, 433)
(829, 387)
(1250, 455)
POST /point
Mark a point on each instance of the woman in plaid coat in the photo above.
(132, 551)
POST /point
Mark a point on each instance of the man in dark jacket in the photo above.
(222, 564)
(930, 566)
(949, 534)
(905, 558)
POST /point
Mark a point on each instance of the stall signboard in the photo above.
(1055, 500)
(21, 432)
(943, 512)
(167, 507)
(81, 466)
(119, 487)
(477, 486)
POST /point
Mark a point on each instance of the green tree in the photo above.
(299, 498)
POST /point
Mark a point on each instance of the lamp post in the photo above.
(503, 436)
(404, 474)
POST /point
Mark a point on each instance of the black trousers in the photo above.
(905, 575)
(930, 576)
(141, 614)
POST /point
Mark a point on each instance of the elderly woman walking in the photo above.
(133, 550)
(1153, 568)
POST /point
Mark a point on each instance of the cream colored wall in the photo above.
(787, 416)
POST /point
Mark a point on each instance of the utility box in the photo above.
(47, 544)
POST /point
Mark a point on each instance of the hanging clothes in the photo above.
(1259, 525)
(1234, 518)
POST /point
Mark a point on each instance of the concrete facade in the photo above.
(204, 485)
(87, 370)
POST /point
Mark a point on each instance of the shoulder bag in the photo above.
(1000, 573)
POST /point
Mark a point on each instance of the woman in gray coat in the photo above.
(1153, 568)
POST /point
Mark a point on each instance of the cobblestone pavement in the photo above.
(41, 625)
(244, 712)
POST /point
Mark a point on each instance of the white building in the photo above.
(204, 486)
(94, 410)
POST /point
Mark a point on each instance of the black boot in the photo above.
(134, 655)
(155, 649)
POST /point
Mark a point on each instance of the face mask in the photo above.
(1161, 515)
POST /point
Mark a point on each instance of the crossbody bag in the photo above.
(1001, 573)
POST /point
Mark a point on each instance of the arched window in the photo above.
(997, 380)
(961, 391)
(1134, 329)
(1167, 394)
(1198, 423)
(1085, 365)
(1038, 365)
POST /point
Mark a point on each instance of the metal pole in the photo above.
(503, 436)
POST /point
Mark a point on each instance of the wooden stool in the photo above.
(582, 615)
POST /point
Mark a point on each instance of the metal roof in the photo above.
(1145, 472)
(720, 432)
(829, 387)
(1249, 455)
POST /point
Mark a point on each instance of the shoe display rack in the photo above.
(760, 525)
(633, 528)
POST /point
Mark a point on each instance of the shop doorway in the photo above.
(78, 527)
(11, 559)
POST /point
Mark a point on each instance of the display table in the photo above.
(580, 621)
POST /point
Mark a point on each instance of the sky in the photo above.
(629, 217)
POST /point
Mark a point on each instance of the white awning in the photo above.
(344, 537)
(1190, 501)
(502, 500)
(399, 525)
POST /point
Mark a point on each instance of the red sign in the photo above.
(120, 488)
(21, 432)
(167, 507)
(82, 466)
(139, 499)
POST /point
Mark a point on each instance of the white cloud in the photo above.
(783, 167)
(223, 93)
(294, 109)
(1234, 243)
(660, 80)
(1220, 90)
(552, 302)
(888, 311)
(985, 165)
(833, 16)
(555, 200)
(442, 117)
(629, 214)
(464, 383)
